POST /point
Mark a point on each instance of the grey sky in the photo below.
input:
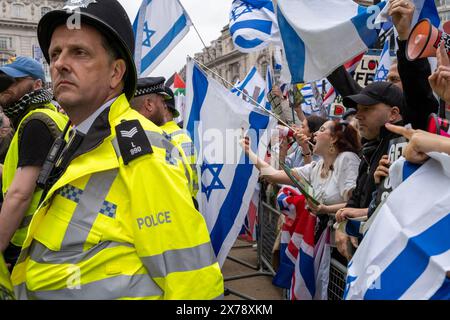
(209, 16)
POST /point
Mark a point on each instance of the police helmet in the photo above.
(108, 17)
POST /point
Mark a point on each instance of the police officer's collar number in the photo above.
(132, 140)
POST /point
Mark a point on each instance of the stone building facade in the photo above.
(18, 26)
(443, 7)
(231, 64)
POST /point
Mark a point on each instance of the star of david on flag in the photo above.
(253, 25)
(159, 26)
(213, 170)
(148, 34)
(214, 118)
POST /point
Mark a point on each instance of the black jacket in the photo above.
(371, 154)
(419, 98)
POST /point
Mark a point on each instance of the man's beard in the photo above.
(9, 97)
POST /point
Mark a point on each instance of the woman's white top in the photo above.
(335, 187)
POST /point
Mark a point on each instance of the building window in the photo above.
(440, 3)
(45, 10)
(17, 10)
(5, 43)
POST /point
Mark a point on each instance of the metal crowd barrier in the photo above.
(336, 285)
(266, 237)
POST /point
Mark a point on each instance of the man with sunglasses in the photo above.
(37, 124)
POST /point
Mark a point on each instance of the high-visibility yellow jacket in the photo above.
(56, 122)
(179, 137)
(6, 289)
(110, 230)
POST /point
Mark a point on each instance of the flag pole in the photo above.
(206, 48)
(249, 97)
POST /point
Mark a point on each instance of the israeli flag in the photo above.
(385, 62)
(253, 25)
(278, 58)
(405, 254)
(255, 87)
(158, 27)
(215, 119)
(319, 36)
(252, 86)
(269, 87)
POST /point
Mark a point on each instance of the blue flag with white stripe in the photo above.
(253, 25)
(319, 36)
(405, 254)
(159, 26)
(215, 119)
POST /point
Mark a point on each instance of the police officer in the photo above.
(179, 137)
(153, 101)
(6, 289)
(150, 99)
(37, 124)
(119, 223)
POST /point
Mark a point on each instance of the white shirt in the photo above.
(335, 187)
(84, 126)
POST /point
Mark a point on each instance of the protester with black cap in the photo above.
(119, 222)
(37, 124)
(180, 138)
(153, 100)
(377, 104)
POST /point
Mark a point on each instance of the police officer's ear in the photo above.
(118, 73)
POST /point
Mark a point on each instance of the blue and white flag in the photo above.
(405, 254)
(319, 36)
(255, 87)
(253, 25)
(269, 87)
(424, 9)
(385, 62)
(158, 27)
(215, 118)
(278, 58)
(252, 86)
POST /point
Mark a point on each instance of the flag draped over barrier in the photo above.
(313, 34)
(253, 24)
(158, 27)
(214, 118)
(406, 252)
(304, 265)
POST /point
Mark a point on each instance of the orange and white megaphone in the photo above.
(424, 40)
(438, 125)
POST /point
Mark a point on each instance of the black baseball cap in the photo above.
(374, 93)
(108, 17)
